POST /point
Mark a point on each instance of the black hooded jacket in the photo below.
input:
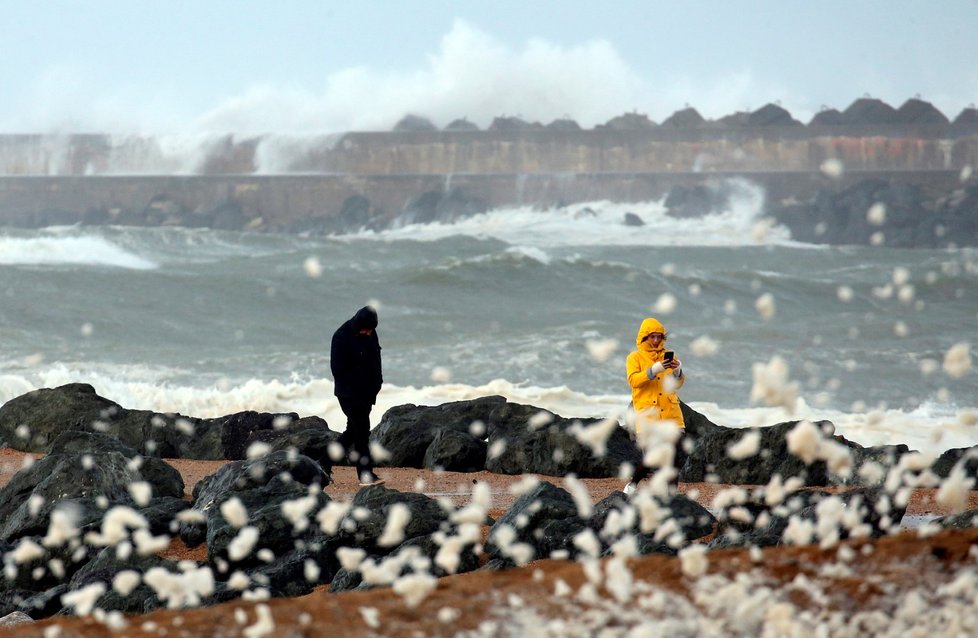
(354, 358)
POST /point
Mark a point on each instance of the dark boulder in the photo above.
(684, 118)
(631, 219)
(524, 521)
(869, 111)
(237, 430)
(708, 460)
(628, 122)
(559, 447)
(966, 457)
(82, 479)
(917, 111)
(827, 117)
(461, 124)
(564, 125)
(871, 512)
(429, 546)
(309, 436)
(276, 531)
(32, 421)
(414, 124)
(440, 206)
(961, 520)
(454, 451)
(163, 477)
(912, 218)
(505, 123)
(364, 525)
(243, 476)
(771, 115)
(239, 476)
(406, 431)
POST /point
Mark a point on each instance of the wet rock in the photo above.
(555, 446)
(406, 431)
(364, 525)
(455, 451)
(709, 460)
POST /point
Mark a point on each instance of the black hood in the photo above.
(365, 318)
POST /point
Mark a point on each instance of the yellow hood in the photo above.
(649, 325)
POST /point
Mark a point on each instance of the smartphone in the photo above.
(667, 356)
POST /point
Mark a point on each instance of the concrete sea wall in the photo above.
(274, 183)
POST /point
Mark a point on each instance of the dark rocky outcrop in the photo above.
(827, 117)
(89, 473)
(709, 461)
(962, 520)
(917, 111)
(564, 124)
(914, 217)
(772, 115)
(87, 482)
(556, 447)
(31, 422)
(440, 206)
(966, 458)
(512, 123)
(406, 431)
(455, 451)
(871, 512)
(684, 118)
(631, 219)
(869, 110)
(461, 124)
(414, 123)
(628, 122)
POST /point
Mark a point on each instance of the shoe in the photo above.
(630, 489)
(367, 480)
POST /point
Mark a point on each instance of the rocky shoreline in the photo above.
(87, 525)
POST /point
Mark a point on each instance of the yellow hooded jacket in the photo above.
(650, 397)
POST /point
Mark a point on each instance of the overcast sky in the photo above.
(318, 66)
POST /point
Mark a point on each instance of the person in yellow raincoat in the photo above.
(654, 381)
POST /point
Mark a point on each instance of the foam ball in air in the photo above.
(746, 447)
(832, 168)
(312, 267)
(772, 385)
(704, 346)
(234, 512)
(957, 360)
(876, 215)
(765, 306)
(601, 349)
(665, 304)
(414, 588)
(693, 560)
(441, 374)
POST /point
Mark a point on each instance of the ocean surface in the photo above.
(540, 306)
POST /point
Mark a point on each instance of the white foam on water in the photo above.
(931, 428)
(52, 250)
(601, 223)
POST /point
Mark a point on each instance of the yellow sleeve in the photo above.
(636, 374)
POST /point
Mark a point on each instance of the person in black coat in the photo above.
(354, 359)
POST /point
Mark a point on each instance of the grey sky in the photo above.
(318, 66)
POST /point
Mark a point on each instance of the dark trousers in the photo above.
(642, 472)
(356, 439)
